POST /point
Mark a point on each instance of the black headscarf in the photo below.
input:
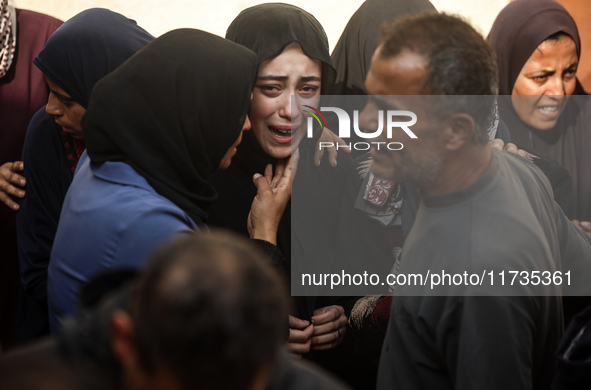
(267, 29)
(87, 47)
(82, 51)
(172, 111)
(517, 31)
(360, 38)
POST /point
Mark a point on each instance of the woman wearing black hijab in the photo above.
(293, 60)
(538, 49)
(155, 129)
(81, 52)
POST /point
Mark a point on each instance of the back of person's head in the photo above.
(210, 312)
(458, 60)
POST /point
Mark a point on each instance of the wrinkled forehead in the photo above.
(403, 74)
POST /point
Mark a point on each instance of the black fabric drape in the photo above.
(268, 28)
(360, 38)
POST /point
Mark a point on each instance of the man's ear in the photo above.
(460, 130)
(122, 331)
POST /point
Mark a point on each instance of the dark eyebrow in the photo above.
(544, 71)
(303, 79)
(61, 97)
(272, 78)
(306, 79)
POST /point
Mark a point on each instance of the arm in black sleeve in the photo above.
(48, 176)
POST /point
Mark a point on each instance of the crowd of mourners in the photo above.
(161, 197)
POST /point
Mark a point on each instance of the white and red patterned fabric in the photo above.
(7, 36)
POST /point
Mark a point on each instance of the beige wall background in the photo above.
(158, 16)
(580, 10)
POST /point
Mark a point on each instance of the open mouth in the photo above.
(548, 109)
(282, 134)
(549, 112)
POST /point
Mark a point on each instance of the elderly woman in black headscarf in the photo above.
(155, 128)
(538, 50)
(81, 52)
